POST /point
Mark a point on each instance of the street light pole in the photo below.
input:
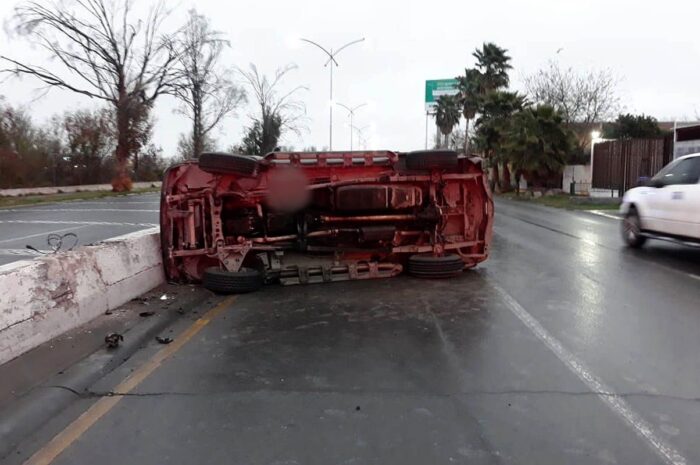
(331, 60)
(351, 113)
(330, 108)
(360, 138)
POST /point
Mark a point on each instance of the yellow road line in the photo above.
(72, 432)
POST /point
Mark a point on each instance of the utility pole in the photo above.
(331, 60)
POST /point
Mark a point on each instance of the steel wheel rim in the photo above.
(631, 228)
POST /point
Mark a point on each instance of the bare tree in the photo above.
(207, 93)
(185, 146)
(103, 52)
(581, 97)
(279, 112)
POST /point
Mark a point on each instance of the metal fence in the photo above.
(619, 164)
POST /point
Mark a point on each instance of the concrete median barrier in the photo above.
(69, 189)
(44, 297)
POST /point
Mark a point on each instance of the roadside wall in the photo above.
(67, 189)
(582, 175)
(42, 298)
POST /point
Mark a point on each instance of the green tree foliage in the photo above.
(489, 74)
(537, 143)
(629, 126)
(470, 92)
(493, 63)
(70, 149)
(447, 115)
(497, 108)
(262, 137)
(278, 112)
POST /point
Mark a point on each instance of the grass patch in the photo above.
(566, 201)
(8, 202)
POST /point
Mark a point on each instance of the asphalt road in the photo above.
(563, 348)
(91, 221)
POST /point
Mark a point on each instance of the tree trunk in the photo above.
(197, 129)
(495, 178)
(507, 185)
(121, 181)
(466, 138)
(136, 166)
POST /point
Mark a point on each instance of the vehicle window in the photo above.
(685, 171)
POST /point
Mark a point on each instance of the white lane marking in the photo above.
(55, 231)
(81, 202)
(605, 215)
(87, 210)
(87, 223)
(618, 405)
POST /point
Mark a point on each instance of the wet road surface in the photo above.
(91, 221)
(563, 348)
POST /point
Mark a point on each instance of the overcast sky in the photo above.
(654, 49)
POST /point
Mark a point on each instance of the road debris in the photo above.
(112, 340)
(164, 340)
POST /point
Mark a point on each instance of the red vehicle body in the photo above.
(234, 222)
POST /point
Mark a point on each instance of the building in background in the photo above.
(687, 140)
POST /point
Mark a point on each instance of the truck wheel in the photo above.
(229, 163)
(431, 159)
(632, 229)
(430, 266)
(232, 282)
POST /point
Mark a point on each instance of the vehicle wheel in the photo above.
(430, 266)
(631, 229)
(232, 282)
(431, 159)
(243, 165)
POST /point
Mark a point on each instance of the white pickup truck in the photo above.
(667, 207)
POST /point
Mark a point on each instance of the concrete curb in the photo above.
(69, 189)
(28, 413)
(42, 298)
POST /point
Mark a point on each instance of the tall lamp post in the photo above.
(351, 113)
(331, 60)
(360, 137)
(595, 137)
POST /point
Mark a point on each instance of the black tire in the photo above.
(632, 228)
(229, 163)
(431, 160)
(232, 282)
(430, 266)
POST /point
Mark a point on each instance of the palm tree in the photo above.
(493, 62)
(497, 109)
(447, 115)
(490, 74)
(470, 90)
(538, 142)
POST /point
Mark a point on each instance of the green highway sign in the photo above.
(434, 88)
